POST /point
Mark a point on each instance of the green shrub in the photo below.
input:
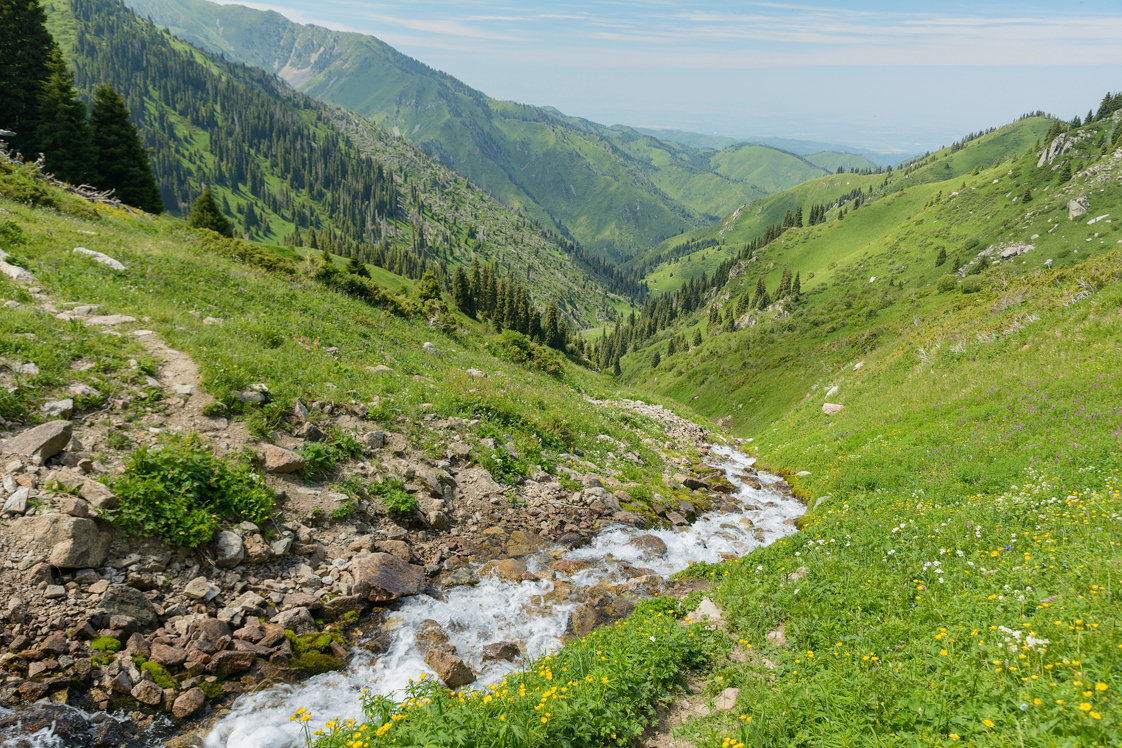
(394, 497)
(946, 283)
(516, 347)
(180, 490)
(971, 284)
(322, 457)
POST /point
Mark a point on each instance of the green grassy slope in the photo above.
(750, 221)
(956, 577)
(834, 160)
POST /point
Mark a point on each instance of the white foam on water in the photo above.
(497, 610)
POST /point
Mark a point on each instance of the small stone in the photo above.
(54, 591)
(147, 692)
(184, 390)
(98, 495)
(831, 408)
(229, 549)
(197, 588)
(281, 460)
(17, 502)
(58, 408)
(429, 348)
(122, 600)
(375, 439)
(299, 620)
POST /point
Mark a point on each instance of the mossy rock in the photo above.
(314, 663)
(107, 644)
(213, 690)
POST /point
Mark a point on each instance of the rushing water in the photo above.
(497, 610)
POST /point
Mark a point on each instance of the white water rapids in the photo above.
(497, 610)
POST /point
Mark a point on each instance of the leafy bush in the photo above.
(247, 252)
(180, 490)
(516, 347)
(971, 284)
(322, 457)
(394, 497)
(946, 283)
(366, 290)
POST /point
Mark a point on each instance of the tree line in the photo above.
(96, 146)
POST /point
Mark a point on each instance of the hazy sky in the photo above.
(886, 75)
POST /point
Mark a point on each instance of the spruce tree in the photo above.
(428, 287)
(615, 366)
(357, 267)
(697, 337)
(656, 359)
(206, 215)
(25, 50)
(941, 257)
(1065, 171)
(120, 161)
(796, 287)
(63, 135)
(461, 292)
(552, 329)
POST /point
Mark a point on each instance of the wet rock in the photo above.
(650, 545)
(229, 550)
(430, 634)
(460, 576)
(677, 519)
(450, 668)
(509, 569)
(381, 577)
(337, 607)
(68, 727)
(525, 543)
(508, 651)
(43, 441)
(281, 460)
(187, 703)
(122, 600)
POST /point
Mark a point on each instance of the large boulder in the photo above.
(188, 702)
(69, 542)
(451, 669)
(381, 577)
(44, 441)
(122, 600)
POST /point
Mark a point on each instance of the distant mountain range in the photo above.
(616, 190)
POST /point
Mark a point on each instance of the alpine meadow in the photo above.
(343, 405)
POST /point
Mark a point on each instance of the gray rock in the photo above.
(69, 542)
(651, 545)
(437, 520)
(44, 441)
(229, 550)
(104, 259)
(250, 397)
(122, 600)
(375, 439)
(476, 373)
(17, 502)
(54, 591)
(198, 588)
(99, 495)
(147, 692)
(501, 651)
(58, 408)
(281, 460)
(184, 390)
(281, 546)
(429, 348)
(1076, 208)
(299, 620)
(831, 408)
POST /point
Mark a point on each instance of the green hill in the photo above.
(615, 190)
(837, 160)
(235, 129)
(671, 263)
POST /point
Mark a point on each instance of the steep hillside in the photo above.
(248, 136)
(529, 158)
(840, 161)
(675, 261)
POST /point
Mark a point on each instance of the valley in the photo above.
(486, 425)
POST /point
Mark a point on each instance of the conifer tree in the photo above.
(120, 162)
(461, 292)
(656, 359)
(796, 287)
(206, 215)
(671, 348)
(941, 257)
(763, 301)
(1065, 172)
(63, 135)
(357, 267)
(25, 50)
(552, 331)
(1026, 196)
(428, 287)
(615, 366)
(697, 337)
(784, 284)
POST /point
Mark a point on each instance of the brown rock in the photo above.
(168, 656)
(147, 692)
(257, 551)
(380, 577)
(430, 635)
(69, 542)
(501, 651)
(451, 669)
(99, 495)
(281, 460)
(230, 662)
(510, 569)
(651, 545)
(188, 702)
(397, 548)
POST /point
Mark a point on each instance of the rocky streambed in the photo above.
(491, 617)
